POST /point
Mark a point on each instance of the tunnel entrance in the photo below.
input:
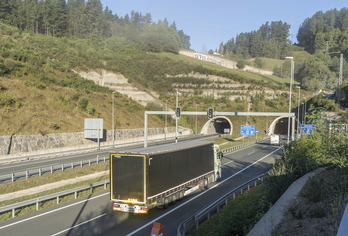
(280, 126)
(218, 125)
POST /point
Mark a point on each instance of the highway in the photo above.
(6, 169)
(92, 215)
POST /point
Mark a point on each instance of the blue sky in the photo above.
(209, 23)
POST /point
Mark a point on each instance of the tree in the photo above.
(5, 11)
(241, 64)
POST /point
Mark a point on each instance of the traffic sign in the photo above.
(247, 129)
(308, 128)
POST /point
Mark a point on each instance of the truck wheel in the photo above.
(173, 199)
(204, 185)
(181, 195)
(165, 204)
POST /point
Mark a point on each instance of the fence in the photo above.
(195, 220)
(37, 201)
(51, 169)
(242, 145)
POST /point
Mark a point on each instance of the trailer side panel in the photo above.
(167, 170)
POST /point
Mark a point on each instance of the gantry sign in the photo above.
(215, 113)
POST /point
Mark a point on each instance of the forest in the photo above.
(321, 38)
(88, 19)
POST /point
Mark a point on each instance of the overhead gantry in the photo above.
(220, 123)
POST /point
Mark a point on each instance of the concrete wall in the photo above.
(18, 145)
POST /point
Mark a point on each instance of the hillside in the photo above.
(43, 90)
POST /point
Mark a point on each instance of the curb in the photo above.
(273, 217)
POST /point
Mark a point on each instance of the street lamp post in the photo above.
(113, 119)
(291, 80)
(304, 113)
(196, 120)
(165, 123)
(176, 118)
(299, 104)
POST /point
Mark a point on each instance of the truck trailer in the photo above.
(156, 176)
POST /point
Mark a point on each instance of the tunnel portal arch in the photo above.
(218, 125)
(280, 126)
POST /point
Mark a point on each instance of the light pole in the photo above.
(291, 80)
(299, 104)
(113, 119)
(196, 120)
(304, 113)
(165, 123)
(176, 118)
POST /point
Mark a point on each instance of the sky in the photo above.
(210, 23)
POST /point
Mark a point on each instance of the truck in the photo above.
(159, 175)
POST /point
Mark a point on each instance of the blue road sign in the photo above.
(308, 128)
(247, 130)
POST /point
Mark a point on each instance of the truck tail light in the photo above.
(116, 207)
(143, 210)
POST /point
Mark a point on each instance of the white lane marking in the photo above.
(251, 153)
(85, 222)
(49, 212)
(228, 162)
(151, 222)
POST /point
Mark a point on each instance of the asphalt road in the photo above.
(33, 166)
(93, 215)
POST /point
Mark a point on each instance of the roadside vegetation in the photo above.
(325, 148)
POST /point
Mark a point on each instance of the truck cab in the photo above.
(218, 155)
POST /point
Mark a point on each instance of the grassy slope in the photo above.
(39, 86)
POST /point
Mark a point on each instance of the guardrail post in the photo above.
(57, 199)
(51, 169)
(81, 164)
(37, 204)
(12, 177)
(105, 185)
(72, 165)
(13, 212)
(75, 194)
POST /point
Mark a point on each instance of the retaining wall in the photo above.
(17, 145)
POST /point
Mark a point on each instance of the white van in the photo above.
(275, 140)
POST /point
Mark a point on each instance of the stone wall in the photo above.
(21, 144)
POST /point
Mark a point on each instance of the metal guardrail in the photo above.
(196, 219)
(51, 169)
(71, 152)
(37, 201)
(242, 145)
